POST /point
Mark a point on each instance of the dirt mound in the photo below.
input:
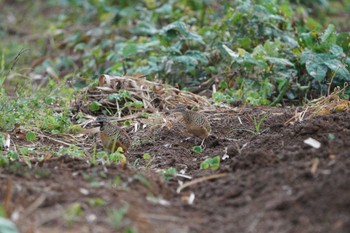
(274, 181)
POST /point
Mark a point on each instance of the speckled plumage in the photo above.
(196, 123)
(113, 136)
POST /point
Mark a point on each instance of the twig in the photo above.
(200, 180)
(35, 205)
(55, 140)
(183, 176)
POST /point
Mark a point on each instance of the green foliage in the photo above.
(96, 202)
(94, 106)
(168, 173)
(212, 163)
(30, 136)
(4, 161)
(73, 213)
(72, 151)
(7, 226)
(146, 156)
(116, 216)
(258, 123)
(265, 51)
(197, 149)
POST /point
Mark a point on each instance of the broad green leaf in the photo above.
(138, 104)
(279, 61)
(329, 36)
(307, 40)
(316, 70)
(182, 29)
(339, 68)
(130, 50)
(12, 154)
(146, 156)
(6, 226)
(336, 50)
(30, 136)
(230, 52)
(343, 40)
(314, 63)
(204, 165)
(94, 106)
(197, 149)
(199, 56)
(215, 163)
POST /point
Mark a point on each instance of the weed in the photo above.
(148, 159)
(96, 202)
(72, 151)
(168, 173)
(197, 149)
(257, 124)
(73, 213)
(116, 216)
(212, 163)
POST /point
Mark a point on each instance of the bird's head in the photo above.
(179, 108)
(101, 120)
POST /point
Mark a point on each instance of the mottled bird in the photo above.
(196, 123)
(112, 136)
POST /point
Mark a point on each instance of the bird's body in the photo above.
(196, 123)
(113, 136)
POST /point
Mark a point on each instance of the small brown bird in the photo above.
(196, 123)
(112, 136)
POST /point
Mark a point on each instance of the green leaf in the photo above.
(197, 149)
(316, 70)
(181, 29)
(232, 54)
(204, 165)
(339, 68)
(138, 104)
(215, 163)
(170, 171)
(314, 63)
(4, 161)
(331, 136)
(279, 61)
(146, 156)
(30, 136)
(94, 106)
(129, 50)
(199, 56)
(6, 226)
(343, 40)
(336, 50)
(143, 180)
(12, 154)
(329, 36)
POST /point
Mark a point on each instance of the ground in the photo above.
(271, 181)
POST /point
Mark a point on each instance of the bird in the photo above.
(196, 123)
(112, 136)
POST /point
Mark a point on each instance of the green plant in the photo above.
(212, 163)
(168, 173)
(148, 159)
(116, 216)
(257, 124)
(72, 151)
(197, 149)
(7, 226)
(73, 213)
(96, 202)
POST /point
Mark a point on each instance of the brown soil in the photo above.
(274, 183)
